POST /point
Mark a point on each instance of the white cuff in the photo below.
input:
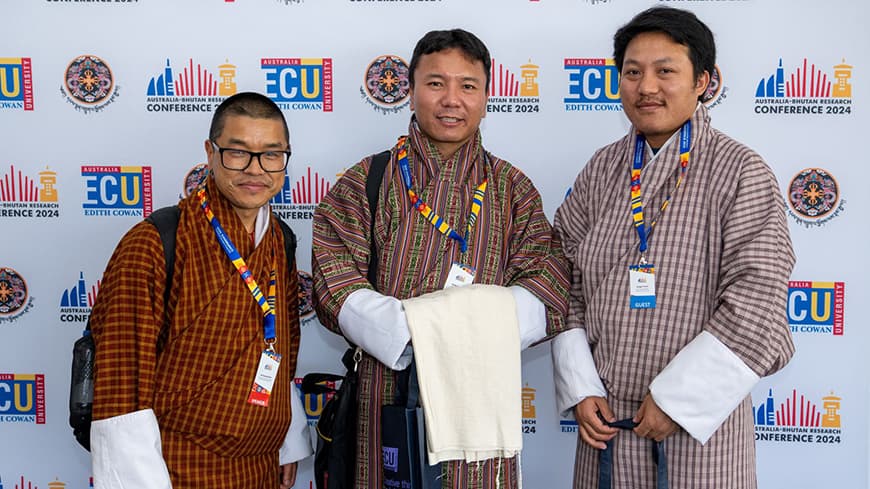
(297, 443)
(126, 452)
(574, 371)
(531, 315)
(376, 323)
(702, 386)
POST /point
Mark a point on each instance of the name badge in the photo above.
(267, 371)
(460, 275)
(642, 286)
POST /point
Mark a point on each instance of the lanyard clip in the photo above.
(357, 358)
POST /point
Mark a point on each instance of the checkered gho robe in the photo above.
(511, 244)
(199, 383)
(723, 257)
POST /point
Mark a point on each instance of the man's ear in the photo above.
(209, 151)
(702, 82)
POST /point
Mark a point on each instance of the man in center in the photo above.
(443, 202)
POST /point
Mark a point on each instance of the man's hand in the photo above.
(653, 423)
(592, 430)
(288, 475)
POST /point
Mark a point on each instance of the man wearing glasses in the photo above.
(194, 387)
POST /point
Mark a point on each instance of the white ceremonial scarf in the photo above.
(467, 348)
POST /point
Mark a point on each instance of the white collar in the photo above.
(262, 224)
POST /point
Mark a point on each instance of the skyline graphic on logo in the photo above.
(299, 83)
(798, 410)
(298, 200)
(510, 93)
(807, 82)
(22, 398)
(79, 295)
(816, 307)
(20, 484)
(504, 83)
(193, 81)
(117, 191)
(308, 189)
(807, 90)
(16, 83)
(17, 187)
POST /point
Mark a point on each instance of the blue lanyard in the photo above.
(427, 212)
(644, 231)
(267, 305)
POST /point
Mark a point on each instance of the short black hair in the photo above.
(436, 41)
(250, 104)
(681, 25)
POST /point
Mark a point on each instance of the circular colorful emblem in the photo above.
(13, 291)
(813, 193)
(89, 80)
(194, 178)
(714, 88)
(386, 80)
(306, 290)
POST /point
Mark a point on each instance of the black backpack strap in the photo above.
(166, 220)
(373, 185)
(289, 242)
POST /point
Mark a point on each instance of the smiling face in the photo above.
(449, 98)
(658, 87)
(251, 188)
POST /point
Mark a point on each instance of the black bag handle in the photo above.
(312, 383)
(413, 386)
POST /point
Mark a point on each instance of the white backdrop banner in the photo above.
(105, 104)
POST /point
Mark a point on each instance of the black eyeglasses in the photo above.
(273, 161)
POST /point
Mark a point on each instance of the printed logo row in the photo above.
(813, 194)
(792, 417)
(592, 84)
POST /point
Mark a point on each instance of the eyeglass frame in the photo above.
(251, 154)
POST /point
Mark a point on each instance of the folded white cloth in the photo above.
(467, 347)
